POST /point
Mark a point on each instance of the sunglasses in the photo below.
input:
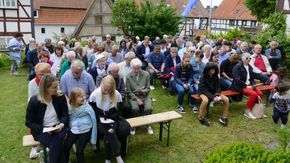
(248, 58)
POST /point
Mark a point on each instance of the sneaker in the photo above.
(133, 130)
(15, 73)
(152, 87)
(154, 100)
(283, 126)
(265, 116)
(181, 110)
(33, 154)
(195, 109)
(74, 148)
(223, 121)
(211, 104)
(149, 130)
(249, 115)
(204, 122)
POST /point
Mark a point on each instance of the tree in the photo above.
(261, 8)
(145, 19)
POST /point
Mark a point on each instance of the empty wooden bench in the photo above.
(164, 119)
(28, 141)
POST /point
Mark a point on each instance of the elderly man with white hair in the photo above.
(125, 67)
(77, 77)
(62, 44)
(108, 44)
(274, 55)
(244, 48)
(260, 64)
(138, 87)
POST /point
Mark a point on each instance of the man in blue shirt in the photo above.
(156, 64)
(223, 54)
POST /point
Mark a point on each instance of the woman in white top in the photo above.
(245, 84)
(33, 89)
(47, 116)
(114, 128)
(56, 58)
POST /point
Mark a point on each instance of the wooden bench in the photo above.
(28, 141)
(232, 93)
(164, 119)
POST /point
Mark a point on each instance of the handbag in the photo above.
(258, 110)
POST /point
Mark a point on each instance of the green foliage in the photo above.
(237, 152)
(284, 139)
(145, 19)
(4, 62)
(261, 8)
(232, 34)
(242, 152)
(275, 31)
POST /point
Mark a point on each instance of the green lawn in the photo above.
(190, 141)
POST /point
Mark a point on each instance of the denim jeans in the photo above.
(181, 91)
(227, 83)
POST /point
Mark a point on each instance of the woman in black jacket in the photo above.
(210, 91)
(245, 84)
(48, 110)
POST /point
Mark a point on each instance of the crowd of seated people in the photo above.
(114, 82)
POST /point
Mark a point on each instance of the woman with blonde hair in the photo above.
(47, 115)
(111, 126)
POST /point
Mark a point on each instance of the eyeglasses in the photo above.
(248, 58)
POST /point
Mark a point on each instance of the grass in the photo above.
(189, 141)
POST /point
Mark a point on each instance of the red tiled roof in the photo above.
(233, 9)
(198, 11)
(59, 16)
(76, 4)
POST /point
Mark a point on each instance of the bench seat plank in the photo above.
(153, 118)
(29, 141)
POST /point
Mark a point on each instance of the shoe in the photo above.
(15, 73)
(133, 130)
(249, 115)
(204, 122)
(152, 87)
(195, 109)
(74, 148)
(33, 154)
(282, 126)
(211, 104)
(265, 116)
(154, 100)
(181, 110)
(223, 121)
(149, 130)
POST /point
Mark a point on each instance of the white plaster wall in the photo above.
(50, 31)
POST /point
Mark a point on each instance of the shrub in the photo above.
(231, 34)
(4, 62)
(284, 139)
(237, 152)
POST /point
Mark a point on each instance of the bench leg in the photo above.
(160, 131)
(166, 126)
(45, 156)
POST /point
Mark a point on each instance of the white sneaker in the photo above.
(249, 115)
(15, 73)
(149, 130)
(133, 131)
(152, 87)
(265, 116)
(211, 104)
(33, 154)
(195, 109)
(154, 100)
(283, 126)
(74, 148)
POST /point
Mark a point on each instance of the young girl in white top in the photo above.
(82, 125)
(281, 101)
(114, 128)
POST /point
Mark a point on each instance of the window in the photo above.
(62, 30)
(8, 3)
(244, 23)
(35, 13)
(253, 23)
(42, 30)
(232, 22)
